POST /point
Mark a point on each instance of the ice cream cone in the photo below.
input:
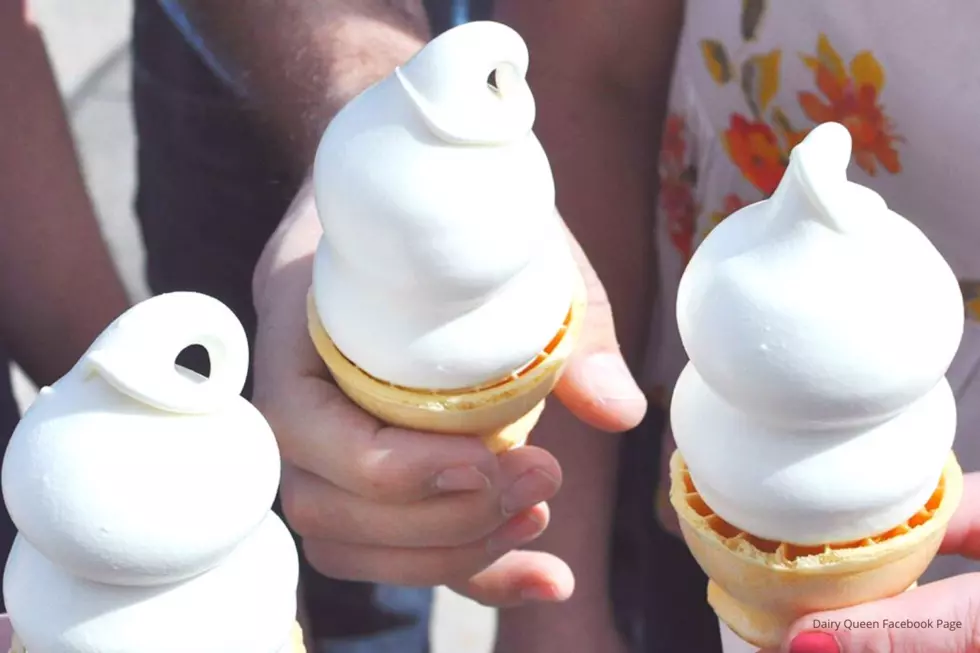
(760, 587)
(296, 640)
(502, 413)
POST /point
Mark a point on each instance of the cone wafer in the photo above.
(760, 587)
(502, 413)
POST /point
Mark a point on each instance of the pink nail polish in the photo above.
(814, 642)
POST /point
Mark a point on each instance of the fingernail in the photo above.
(530, 489)
(814, 642)
(610, 379)
(462, 479)
(520, 530)
(539, 593)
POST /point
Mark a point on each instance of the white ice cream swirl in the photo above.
(819, 326)
(443, 263)
(142, 496)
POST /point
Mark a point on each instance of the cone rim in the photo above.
(834, 558)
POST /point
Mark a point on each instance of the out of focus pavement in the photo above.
(88, 41)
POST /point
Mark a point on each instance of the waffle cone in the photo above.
(296, 638)
(502, 414)
(760, 587)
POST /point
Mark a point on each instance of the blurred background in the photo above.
(89, 45)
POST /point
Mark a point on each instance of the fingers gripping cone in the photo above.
(758, 588)
(502, 414)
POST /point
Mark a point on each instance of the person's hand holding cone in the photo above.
(385, 504)
(814, 467)
(947, 611)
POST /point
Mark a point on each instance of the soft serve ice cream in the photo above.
(443, 264)
(819, 326)
(142, 495)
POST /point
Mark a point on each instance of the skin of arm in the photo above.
(600, 77)
(300, 62)
(58, 286)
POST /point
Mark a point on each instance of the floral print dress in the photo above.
(753, 77)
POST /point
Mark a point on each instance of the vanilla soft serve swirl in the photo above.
(819, 326)
(142, 493)
(443, 264)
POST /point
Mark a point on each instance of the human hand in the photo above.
(384, 504)
(948, 610)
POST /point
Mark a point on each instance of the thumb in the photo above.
(942, 617)
(597, 386)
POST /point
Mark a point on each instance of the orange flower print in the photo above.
(674, 146)
(971, 293)
(677, 179)
(754, 148)
(851, 97)
(680, 211)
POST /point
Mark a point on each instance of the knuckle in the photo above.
(378, 478)
(892, 640)
(971, 622)
(470, 529)
(321, 556)
(300, 512)
(434, 571)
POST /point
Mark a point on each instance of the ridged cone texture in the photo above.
(760, 587)
(502, 414)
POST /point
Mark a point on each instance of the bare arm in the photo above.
(58, 287)
(600, 78)
(300, 61)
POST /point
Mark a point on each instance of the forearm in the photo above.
(600, 109)
(300, 61)
(58, 286)
(604, 187)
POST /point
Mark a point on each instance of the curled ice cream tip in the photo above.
(447, 82)
(820, 305)
(443, 263)
(132, 471)
(136, 353)
(819, 326)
